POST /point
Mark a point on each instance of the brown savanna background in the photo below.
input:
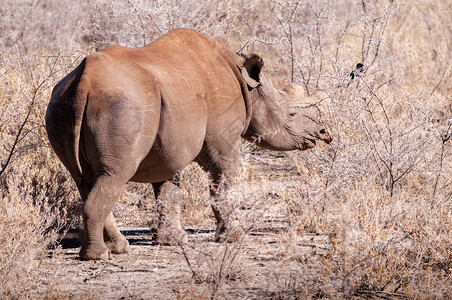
(379, 197)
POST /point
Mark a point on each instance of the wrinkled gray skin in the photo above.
(144, 114)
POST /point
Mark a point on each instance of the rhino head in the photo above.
(281, 120)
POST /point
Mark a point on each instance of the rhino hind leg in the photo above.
(113, 238)
(169, 230)
(98, 220)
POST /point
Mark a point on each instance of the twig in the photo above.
(289, 36)
(382, 31)
(253, 40)
(382, 294)
(19, 137)
(135, 10)
(444, 138)
(19, 133)
(440, 80)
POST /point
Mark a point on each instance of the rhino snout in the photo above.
(324, 135)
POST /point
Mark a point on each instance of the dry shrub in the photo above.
(380, 193)
(214, 269)
(378, 246)
(31, 219)
(36, 195)
(388, 246)
(195, 206)
(218, 269)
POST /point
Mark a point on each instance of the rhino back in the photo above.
(185, 78)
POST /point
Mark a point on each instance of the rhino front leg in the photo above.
(224, 208)
(169, 197)
(222, 171)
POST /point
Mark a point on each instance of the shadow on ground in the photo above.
(73, 237)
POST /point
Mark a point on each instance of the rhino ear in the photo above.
(251, 70)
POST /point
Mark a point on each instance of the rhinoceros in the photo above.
(144, 114)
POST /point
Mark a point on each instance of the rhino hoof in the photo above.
(231, 235)
(171, 237)
(118, 246)
(95, 254)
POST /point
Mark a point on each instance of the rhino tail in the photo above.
(64, 118)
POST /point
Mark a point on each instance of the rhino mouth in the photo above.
(310, 142)
(325, 136)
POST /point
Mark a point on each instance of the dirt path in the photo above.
(264, 265)
(273, 261)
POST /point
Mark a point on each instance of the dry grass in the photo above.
(380, 194)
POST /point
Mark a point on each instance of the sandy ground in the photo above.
(268, 263)
(264, 266)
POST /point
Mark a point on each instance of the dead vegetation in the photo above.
(372, 211)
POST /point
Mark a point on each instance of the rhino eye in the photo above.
(292, 114)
